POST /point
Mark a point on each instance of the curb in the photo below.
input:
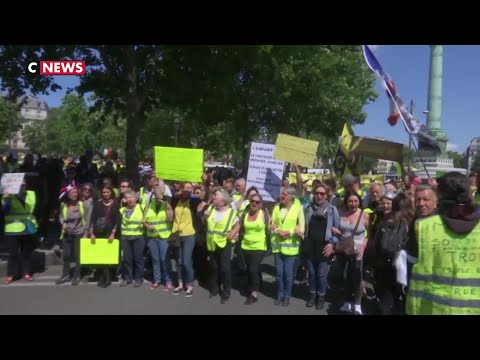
(41, 259)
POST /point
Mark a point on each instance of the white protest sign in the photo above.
(11, 183)
(264, 172)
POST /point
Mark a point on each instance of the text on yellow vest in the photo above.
(446, 278)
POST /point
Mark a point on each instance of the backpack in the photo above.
(391, 240)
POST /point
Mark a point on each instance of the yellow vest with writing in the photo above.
(217, 233)
(163, 229)
(19, 216)
(446, 278)
(132, 227)
(291, 245)
(254, 237)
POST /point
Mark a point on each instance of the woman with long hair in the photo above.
(353, 223)
(72, 218)
(104, 224)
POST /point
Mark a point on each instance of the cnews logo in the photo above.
(60, 67)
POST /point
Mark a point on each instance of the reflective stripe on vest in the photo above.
(290, 245)
(254, 237)
(217, 233)
(162, 228)
(132, 227)
(19, 216)
(445, 280)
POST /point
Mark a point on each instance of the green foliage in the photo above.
(71, 129)
(226, 96)
(9, 120)
(458, 159)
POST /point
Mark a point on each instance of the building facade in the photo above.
(32, 110)
(473, 151)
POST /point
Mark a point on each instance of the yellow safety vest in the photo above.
(65, 214)
(254, 237)
(163, 229)
(290, 245)
(446, 278)
(217, 233)
(143, 201)
(132, 227)
(19, 216)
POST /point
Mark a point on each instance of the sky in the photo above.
(408, 66)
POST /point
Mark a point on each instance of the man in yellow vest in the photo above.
(446, 280)
(220, 223)
(20, 229)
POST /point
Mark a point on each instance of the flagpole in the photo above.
(410, 155)
(406, 127)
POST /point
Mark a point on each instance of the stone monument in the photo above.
(434, 161)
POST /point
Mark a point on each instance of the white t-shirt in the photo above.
(220, 215)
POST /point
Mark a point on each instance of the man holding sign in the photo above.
(20, 228)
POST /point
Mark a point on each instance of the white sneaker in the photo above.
(347, 307)
(358, 310)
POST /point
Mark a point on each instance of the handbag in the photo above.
(346, 246)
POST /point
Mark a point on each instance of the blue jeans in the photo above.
(317, 276)
(133, 251)
(184, 260)
(162, 266)
(284, 266)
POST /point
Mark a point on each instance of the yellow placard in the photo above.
(296, 150)
(100, 253)
(178, 163)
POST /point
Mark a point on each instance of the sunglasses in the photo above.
(320, 193)
(255, 202)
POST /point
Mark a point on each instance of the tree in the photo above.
(9, 120)
(226, 95)
(72, 128)
(476, 163)
(458, 159)
(366, 164)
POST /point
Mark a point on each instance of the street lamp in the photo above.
(176, 124)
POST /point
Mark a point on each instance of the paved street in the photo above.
(42, 296)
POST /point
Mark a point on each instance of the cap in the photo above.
(348, 180)
(389, 195)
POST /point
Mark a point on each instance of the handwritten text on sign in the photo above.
(264, 172)
(11, 183)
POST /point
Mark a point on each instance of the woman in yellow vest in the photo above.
(220, 223)
(288, 225)
(254, 227)
(72, 218)
(158, 223)
(20, 227)
(132, 239)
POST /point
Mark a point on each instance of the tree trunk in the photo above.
(133, 145)
(133, 117)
